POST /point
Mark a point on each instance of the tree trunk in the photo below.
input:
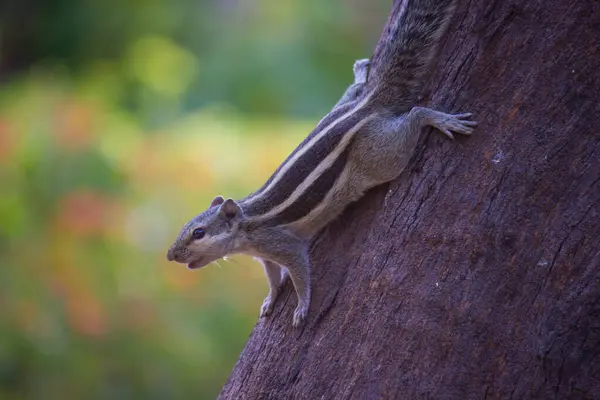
(476, 274)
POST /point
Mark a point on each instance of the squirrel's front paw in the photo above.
(300, 315)
(268, 305)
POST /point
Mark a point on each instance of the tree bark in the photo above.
(476, 274)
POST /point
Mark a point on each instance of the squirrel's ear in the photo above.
(216, 201)
(229, 209)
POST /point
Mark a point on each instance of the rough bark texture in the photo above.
(476, 274)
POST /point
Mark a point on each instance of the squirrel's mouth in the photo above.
(202, 262)
(196, 264)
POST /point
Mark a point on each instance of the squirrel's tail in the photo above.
(407, 49)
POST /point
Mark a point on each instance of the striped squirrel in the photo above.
(367, 139)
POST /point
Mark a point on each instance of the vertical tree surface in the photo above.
(476, 274)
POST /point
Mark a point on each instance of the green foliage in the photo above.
(126, 120)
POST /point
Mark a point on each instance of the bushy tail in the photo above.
(407, 49)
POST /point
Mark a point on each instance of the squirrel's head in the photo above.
(208, 236)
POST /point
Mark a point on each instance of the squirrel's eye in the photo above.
(198, 233)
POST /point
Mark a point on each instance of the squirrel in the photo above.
(367, 139)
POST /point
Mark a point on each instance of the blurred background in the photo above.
(119, 121)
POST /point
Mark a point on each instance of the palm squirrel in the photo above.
(367, 139)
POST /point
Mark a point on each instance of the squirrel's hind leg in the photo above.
(383, 148)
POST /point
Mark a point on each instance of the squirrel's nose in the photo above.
(170, 255)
